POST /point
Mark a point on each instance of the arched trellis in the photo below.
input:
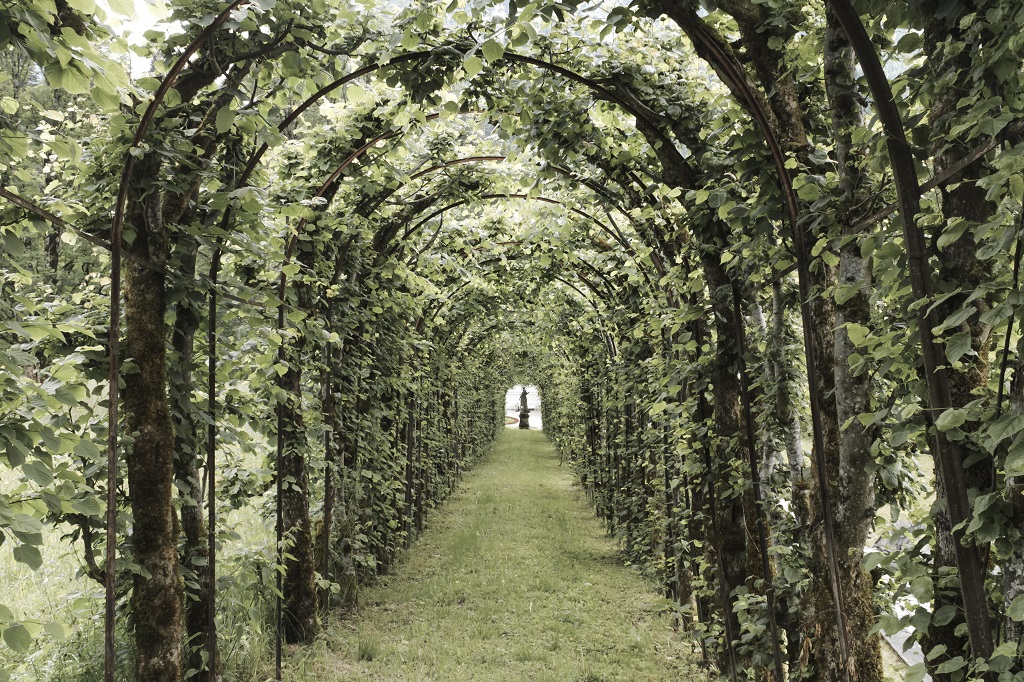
(761, 522)
(725, 63)
(614, 234)
(122, 194)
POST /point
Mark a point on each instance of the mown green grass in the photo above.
(515, 580)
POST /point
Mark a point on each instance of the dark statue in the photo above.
(524, 411)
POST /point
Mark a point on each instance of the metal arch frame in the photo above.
(717, 56)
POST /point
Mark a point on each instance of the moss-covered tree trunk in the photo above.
(730, 523)
(156, 599)
(300, 602)
(299, 598)
(853, 486)
(958, 268)
(195, 548)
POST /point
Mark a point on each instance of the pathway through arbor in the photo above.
(514, 580)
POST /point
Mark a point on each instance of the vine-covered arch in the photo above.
(334, 199)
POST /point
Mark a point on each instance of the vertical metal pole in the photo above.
(211, 473)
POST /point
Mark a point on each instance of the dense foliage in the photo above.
(348, 228)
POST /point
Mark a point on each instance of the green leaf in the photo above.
(658, 407)
(1017, 187)
(915, 673)
(921, 588)
(956, 319)
(74, 81)
(809, 192)
(944, 615)
(950, 419)
(57, 630)
(957, 346)
(15, 247)
(123, 7)
(28, 555)
(1015, 460)
(858, 333)
(23, 523)
(1016, 609)
(953, 232)
(225, 119)
(473, 66)
(89, 506)
(17, 637)
(355, 94)
(492, 50)
(38, 472)
(951, 665)
(6, 615)
(844, 292)
(83, 6)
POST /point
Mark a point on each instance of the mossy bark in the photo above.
(854, 484)
(300, 622)
(299, 599)
(958, 267)
(730, 538)
(157, 589)
(194, 553)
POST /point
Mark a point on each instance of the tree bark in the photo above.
(854, 490)
(156, 593)
(299, 590)
(195, 549)
(730, 540)
(958, 266)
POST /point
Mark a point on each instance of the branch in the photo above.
(1011, 132)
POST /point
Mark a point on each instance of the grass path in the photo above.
(514, 580)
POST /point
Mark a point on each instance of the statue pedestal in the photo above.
(524, 419)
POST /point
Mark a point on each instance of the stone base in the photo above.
(524, 420)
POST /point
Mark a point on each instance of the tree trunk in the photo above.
(300, 602)
(786, 413)
(958, 267)
(730, 519)
(854, 489)
(157, 589)
(195, 550)
(299, 591)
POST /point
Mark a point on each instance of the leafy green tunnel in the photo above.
(347, 229)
